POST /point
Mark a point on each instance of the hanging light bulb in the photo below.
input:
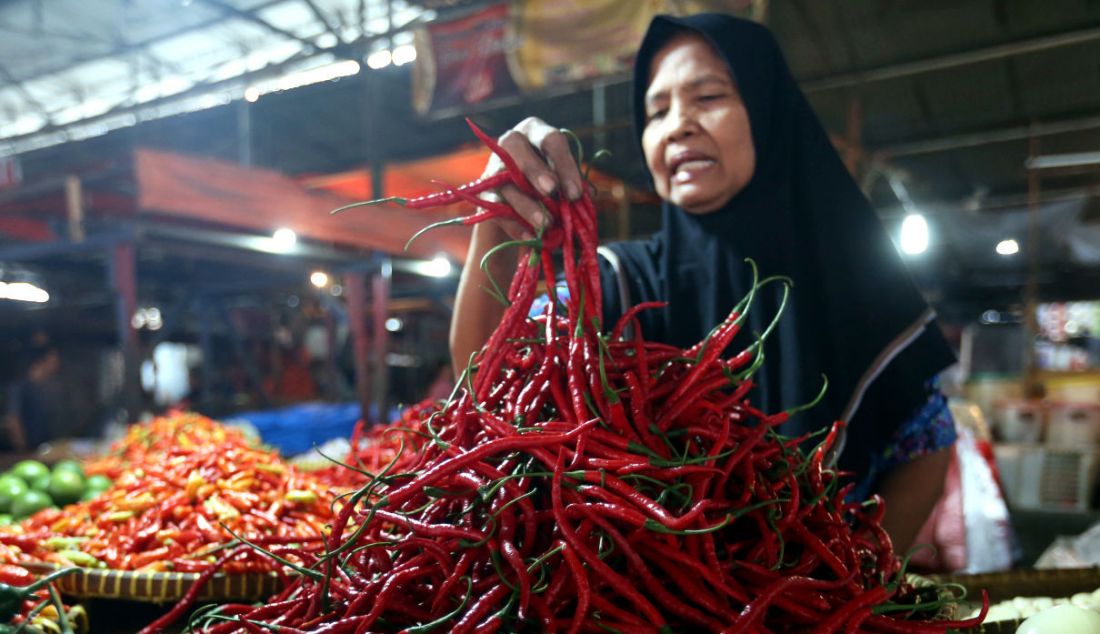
(914, 234)
(1008, 247)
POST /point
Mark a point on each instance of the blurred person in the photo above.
(35, 412)
(292, 379)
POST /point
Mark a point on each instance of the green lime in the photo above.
(69, 465)
(6, 519)
(41, 482)
(98, 483)
(29, 470)
(90, 494)
(11, 487)
(29, 503)
(66, 486)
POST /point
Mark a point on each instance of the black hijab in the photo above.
(854, 315)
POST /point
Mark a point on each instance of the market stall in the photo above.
(766, 317)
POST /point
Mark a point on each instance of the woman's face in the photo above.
(697, 138)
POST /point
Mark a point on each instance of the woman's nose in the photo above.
(681, 122)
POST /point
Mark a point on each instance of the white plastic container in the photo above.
(1073, 424)
(1018, 421)
(1044, 477)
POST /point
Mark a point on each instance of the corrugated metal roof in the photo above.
(110, 64)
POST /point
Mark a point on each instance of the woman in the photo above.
(746, 171)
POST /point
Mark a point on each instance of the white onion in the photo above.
(1062, 619)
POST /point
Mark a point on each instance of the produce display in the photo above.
(184, 487)
(578, 481)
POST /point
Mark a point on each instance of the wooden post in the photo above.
(622, 200)
(206, 342)
(853, 140)
(74, 208)
(355, 290)
(380, 312)
(122, 274)
(244, 132)
(1031, 382)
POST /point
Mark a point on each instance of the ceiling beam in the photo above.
(248, 242)
(986, 137)
(35, 104)
(1062, 161)
(196, 89)
(237, 258)
(360, 44)
(75, 38)
(140, 44)
(23, 252)
(320, 15)
(252, 16)
(987, 54)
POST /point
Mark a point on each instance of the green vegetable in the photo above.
(64, 543)
(80, 558)
(301, 497)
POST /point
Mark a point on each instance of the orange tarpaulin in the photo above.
(264, 200)
(410, 179)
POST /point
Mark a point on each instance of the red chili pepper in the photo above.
(15, 575)
(453, 195)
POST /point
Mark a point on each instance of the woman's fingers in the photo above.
(554, 146)
(515, 229)
(527, 208)
(542, 153)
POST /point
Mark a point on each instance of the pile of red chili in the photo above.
(374, 447)
(582, 482)
(185, 487)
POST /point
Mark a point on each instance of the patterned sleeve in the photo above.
(930, 429)
(539, 304)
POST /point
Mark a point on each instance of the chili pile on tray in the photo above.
(183, 487)
(578, 481)
(374, 447)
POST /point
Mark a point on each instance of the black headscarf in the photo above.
(854, 315)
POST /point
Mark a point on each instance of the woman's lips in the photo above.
(689, 169)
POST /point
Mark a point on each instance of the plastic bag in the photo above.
(969, 527)
(989, 538)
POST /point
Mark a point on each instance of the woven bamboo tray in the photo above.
(1024, 583)
(160, 587)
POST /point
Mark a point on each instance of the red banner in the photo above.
(464, 62)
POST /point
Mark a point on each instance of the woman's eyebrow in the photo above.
(694, 84)
(710, 78)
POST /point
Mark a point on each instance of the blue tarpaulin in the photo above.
(298, 428)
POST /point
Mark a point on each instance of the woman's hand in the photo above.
(542, 153)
